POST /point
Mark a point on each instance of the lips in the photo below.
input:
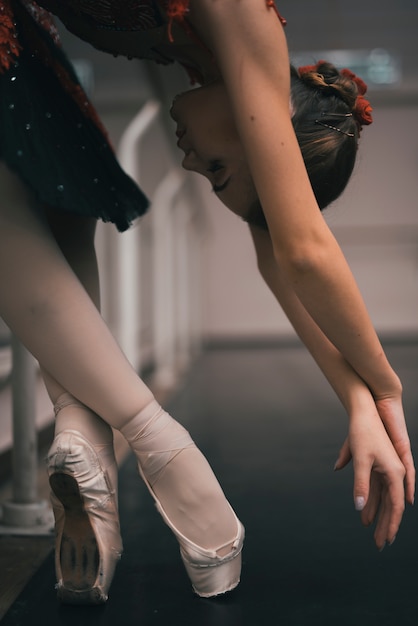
(179, 144)
(182, 140)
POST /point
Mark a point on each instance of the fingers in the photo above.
(405, 455)
(408, 463)
(362, 476)
(386, 505)
(391, 413)
(403, 449)
(410, 481)
(380, 497)
(371, 508)
(344, 456)
(390, 516)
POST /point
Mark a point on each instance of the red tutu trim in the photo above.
(175, 11)
(9, 45)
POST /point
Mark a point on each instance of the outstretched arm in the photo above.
(379, 469)
(250, 48)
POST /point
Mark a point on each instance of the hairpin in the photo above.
(339, 130)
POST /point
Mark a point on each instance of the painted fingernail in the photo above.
(359, 503)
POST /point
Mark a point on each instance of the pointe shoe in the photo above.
(212, 571)
(88, 541)
(210, 574)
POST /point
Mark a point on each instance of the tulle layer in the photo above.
(51, 137)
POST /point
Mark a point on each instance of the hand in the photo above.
(391, 413)
(378, 474)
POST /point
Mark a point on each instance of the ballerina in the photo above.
(276, 144)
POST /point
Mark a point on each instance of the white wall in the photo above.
(376, 222)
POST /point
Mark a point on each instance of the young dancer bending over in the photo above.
(276, 144)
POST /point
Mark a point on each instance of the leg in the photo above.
(45, 304)
(88, 545)
(75, 238)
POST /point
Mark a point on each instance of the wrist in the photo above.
(384, 382)
(392, 388)
(359, 401)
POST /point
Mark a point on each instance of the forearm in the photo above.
(346, 381)
(351, 390)
(328, 292)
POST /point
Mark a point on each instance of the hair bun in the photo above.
(343, 84)
(325, 77)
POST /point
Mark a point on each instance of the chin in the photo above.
(178, 99)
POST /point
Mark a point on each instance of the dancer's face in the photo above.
(208, 137)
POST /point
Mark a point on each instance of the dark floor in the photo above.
(272, 429)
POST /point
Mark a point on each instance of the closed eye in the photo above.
(218, 188)
(217, 166)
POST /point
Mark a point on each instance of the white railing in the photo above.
(151, 295)
(24, 513)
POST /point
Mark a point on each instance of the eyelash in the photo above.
(214, 166)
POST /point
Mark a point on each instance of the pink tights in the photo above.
(49, 297)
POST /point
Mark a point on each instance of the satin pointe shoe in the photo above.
(157, 440)
(88, 542)
(210, 574)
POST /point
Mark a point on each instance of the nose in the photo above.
(190, 161)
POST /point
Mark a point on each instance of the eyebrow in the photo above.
(218, 188)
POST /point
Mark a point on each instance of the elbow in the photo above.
(300, 262)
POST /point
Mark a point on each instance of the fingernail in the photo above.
(392, 541)
(359, 503)
(335, 465)
(383, 547)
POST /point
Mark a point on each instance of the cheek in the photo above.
(206, 107)
(216, 135)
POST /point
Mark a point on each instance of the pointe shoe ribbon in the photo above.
(155, 443)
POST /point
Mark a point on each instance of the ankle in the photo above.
(70, 414)
(131, 428)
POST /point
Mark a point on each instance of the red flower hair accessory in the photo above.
(362, 110)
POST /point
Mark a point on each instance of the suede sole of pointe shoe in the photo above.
(78, 551)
